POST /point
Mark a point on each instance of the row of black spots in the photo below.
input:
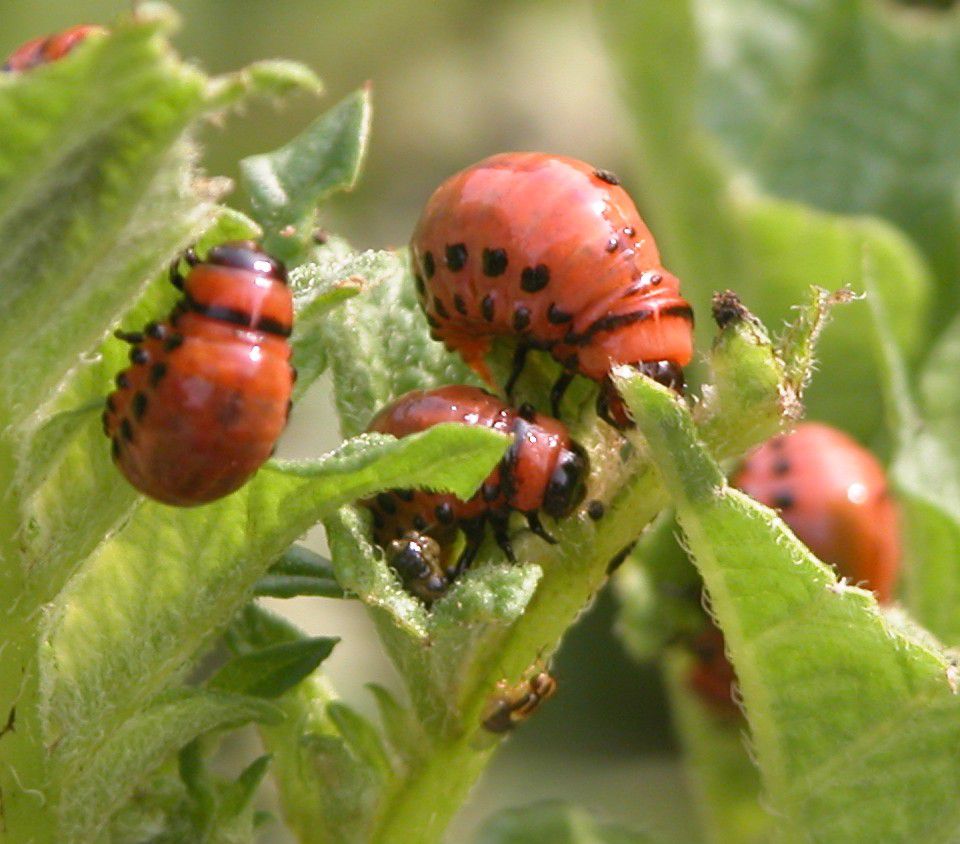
(493, 263)
(385, 503)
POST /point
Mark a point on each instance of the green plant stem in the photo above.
(422, 807)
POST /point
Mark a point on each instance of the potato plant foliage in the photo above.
(108, 602)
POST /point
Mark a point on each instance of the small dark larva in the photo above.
(542, 470)
(48, 48)
(511, 706)
(552, 251)
(208, 390)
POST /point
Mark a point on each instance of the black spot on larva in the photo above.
(432, 322)
(459, 305)
(783, 500)
(535, 278)
(155, 330)
(115, 448)
(429, 265)
(595, 510)
(571, 362)
(455, 256)
(420, 284)
(419, 523)
(494, 262)
(404, 494)
(157, 372)
(780, 467)
(386, 503)
(126, 430)
(122, 381)
(139, 405)
(521, 318)
(490, 492)
(444, 513)
(527, 411)
(557, 316)
(612, 244)
(777, 443)
(110, 405)
(377, 520)
(139, 355)
(174, 341)
(606, 176)
(655, 279)
(629, 231)
(486, 308)
(440, 308)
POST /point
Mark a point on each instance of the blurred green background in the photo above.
(870, 125)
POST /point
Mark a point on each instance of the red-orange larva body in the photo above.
(833, 494)
(48, 48)
(712, 676)
(553, 251)
(542, 469)
(208, 392)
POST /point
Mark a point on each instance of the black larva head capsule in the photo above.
(247, 255)
(568, 483)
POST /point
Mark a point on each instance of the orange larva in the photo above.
(208, 390)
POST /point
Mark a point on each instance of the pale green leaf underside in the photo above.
(139, 746)
(379, 346)
(848, 716)
(151, 596)
(100, 127)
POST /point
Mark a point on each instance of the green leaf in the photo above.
(131, 753)
(362, 737)
(848, 713)
(286, 184)
(104, 128)
(152, 595)
(850, 107)
(408, 740)
(379, 346)
(300, 571)
(72, 494)
(717, 231)
(272, 671)
(723, 777)
(658, 590)
(554, 822)
(926, 475)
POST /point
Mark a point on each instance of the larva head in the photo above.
(544, 468)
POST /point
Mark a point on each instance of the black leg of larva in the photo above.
(533, 521)
(498, 521)
(176, 277)
(519, 359)
(473, 531)
(557, 391)
(190, 256)
(131, 337)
